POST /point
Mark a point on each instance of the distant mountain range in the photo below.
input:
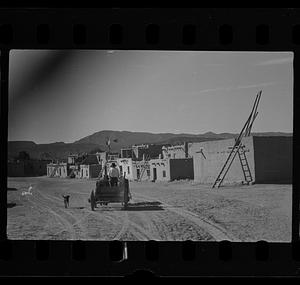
(119, 139)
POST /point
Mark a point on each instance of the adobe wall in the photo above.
(160, 165)
(154, 150)
(125, 163)
(142, 167)
(206, 169)
(61, 171)
(35, 167)
(15, 169)
(126, 153)
(94, 170)
(273, 159)
(181, 168)
(177, 151)
(84, 170)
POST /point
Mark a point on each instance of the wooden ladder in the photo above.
(53, 171)
(245, 165)
(238, 148)
(235, 149)
(146, 162)
(72, 172)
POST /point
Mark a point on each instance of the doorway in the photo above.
(154, 174)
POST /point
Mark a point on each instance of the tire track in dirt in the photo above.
(76, 223)
(114, 221)
(124, 228)
(147, 220)
(216, 231)
(127, 225)
(66, 225)
(139, 232)
(79, 230)
(143, 231)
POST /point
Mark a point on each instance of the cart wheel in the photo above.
(93, 201)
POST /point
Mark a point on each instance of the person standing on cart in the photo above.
(113, 175)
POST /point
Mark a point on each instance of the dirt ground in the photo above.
(181, 210)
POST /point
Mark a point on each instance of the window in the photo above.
(164, 173)
(86, 173)
(128, 169)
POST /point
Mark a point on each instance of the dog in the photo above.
(28, 192)
(66, 200)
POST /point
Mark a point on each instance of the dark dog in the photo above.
(66, 200)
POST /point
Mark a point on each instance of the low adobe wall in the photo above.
(273, 159)
(15, 169)
(162, 167)
(206, 169)
(181, 168)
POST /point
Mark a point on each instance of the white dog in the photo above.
(28, 192)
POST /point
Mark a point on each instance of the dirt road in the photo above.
(154, 213)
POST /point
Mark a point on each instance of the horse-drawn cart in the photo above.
(104, 194)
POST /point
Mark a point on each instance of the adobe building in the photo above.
(106, 158)
(126, 152)
(89, 167)
(134, 169)
(142, 150)
(169, 169)
(27, 168)
(72, 158)
(163, 163)
(269, 160)
(134, 161)
(60, 169)
(15, 169)
(176, 151)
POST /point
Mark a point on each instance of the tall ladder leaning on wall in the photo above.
(146, 163)
(239, 149)
(53, 171)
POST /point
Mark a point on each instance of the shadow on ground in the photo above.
(140, 206)
(11, 205)
(144, 206)
(12, 189)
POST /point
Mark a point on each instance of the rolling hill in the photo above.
(96, 141)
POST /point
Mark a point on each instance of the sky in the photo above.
(57, 96)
